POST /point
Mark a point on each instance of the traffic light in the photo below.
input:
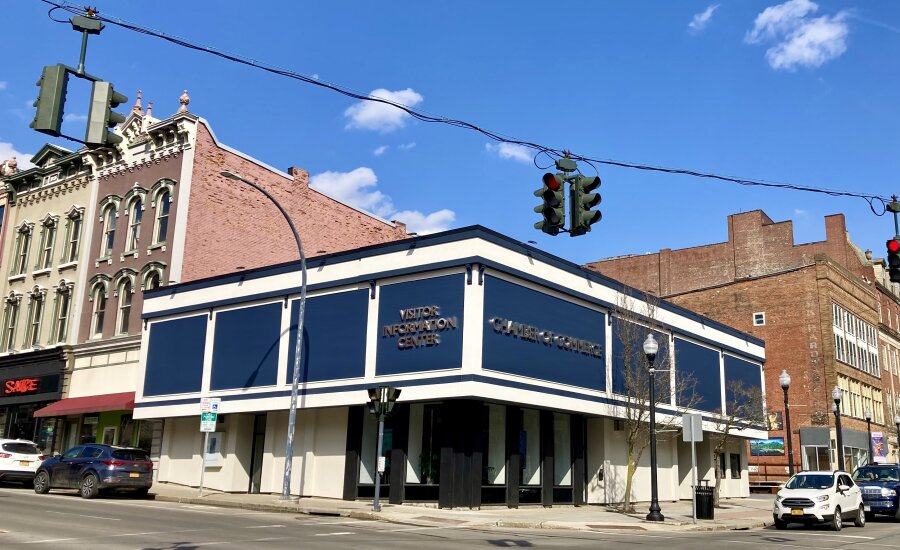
(581, 200)
(51, 98)
(893, 259)
(101, 116)
(553, 208)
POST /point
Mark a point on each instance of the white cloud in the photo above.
(800, 213)
(407, 146)
(800, 40)
(7, 151)
(702, 19)
(416, 222)
(357, 188)
(510, 151)
(2, 85)
(380, 150)
(74, 118)
(315, 76)
(382, 117)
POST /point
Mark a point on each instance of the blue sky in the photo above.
(799, 91)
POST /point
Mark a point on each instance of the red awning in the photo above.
(89, 404)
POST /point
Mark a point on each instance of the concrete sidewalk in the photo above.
(744, 513)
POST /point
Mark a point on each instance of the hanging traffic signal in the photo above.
(51, 98)
(101, 116)
(581, 200)
(893, 259)
(553, 208)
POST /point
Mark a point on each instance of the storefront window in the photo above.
(530, 447)
(816, 458)
(89, 429)
(423, 458)
(126, 431)
(495, 446)
(369, 449)
(562, 449)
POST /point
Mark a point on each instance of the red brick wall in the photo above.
(756, 246)
(231, 225)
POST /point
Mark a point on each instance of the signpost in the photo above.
(209, 413)
(693, 432)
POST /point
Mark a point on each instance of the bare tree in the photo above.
(633, 383)
(743, 407)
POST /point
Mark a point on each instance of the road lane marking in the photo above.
(262, 526)
(333, 534)
(81, 515)
(46, 541)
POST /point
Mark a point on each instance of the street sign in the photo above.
(693, 427)
(208, 421)
(210, 404)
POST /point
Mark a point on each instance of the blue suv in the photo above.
(93, 468)
(880, 484)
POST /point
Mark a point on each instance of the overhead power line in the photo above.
(553, 153)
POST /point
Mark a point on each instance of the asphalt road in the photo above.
(61, 520)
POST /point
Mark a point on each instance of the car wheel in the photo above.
(42, 483)
(860, 519)
(90, 486)
(780, 524)
(837, 522)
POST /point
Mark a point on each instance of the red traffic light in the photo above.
(551, 182)
(893, 246)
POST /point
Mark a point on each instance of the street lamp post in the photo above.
(381, 403)
(785, 380)
(295, 381)
(868, 413)
(836, 395)
(650, 349)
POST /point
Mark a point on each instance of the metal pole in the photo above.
(376, 505)
(694, 471)
(203, 460)
(840, 436)
(655, 514)
(898, 442)
(787, 425)
(869, 430)
(295, 381)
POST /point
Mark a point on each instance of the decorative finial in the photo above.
(8, 167)
(137, 104)
(184, 99)
(149, 109)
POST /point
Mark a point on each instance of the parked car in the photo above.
(819, 497)
(93, 468)
(19, 460)
(880, 485)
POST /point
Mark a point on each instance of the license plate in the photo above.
(867, 508)
(797, 512)
(133, 474)
(24, 463)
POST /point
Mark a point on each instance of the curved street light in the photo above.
(295, 381)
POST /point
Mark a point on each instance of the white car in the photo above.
(819, 497)
(19, 460)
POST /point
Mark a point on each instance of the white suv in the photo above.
(19, 460)
(819, 497)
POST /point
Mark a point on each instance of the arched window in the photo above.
(162, 216)
(35, 316)
(73, 234)
(10, 318)
(48, 240)
(109, 231)
(98, 295)
(61, 307)
(126, 292)
(23, 243)
(152, 281)
(135, 212)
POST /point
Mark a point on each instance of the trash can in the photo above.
(704, 499)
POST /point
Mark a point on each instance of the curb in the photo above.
(506, 524)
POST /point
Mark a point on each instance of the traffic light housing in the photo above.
(581, 201)
(101, 116)
(893, 259)
(48, 114)
(553, 208)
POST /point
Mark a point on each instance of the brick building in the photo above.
(889, 334)
(155, 211)
(815, 305)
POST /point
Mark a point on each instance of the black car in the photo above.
(93, 468)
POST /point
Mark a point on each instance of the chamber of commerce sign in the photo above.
(419, 327)
(531, 333)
